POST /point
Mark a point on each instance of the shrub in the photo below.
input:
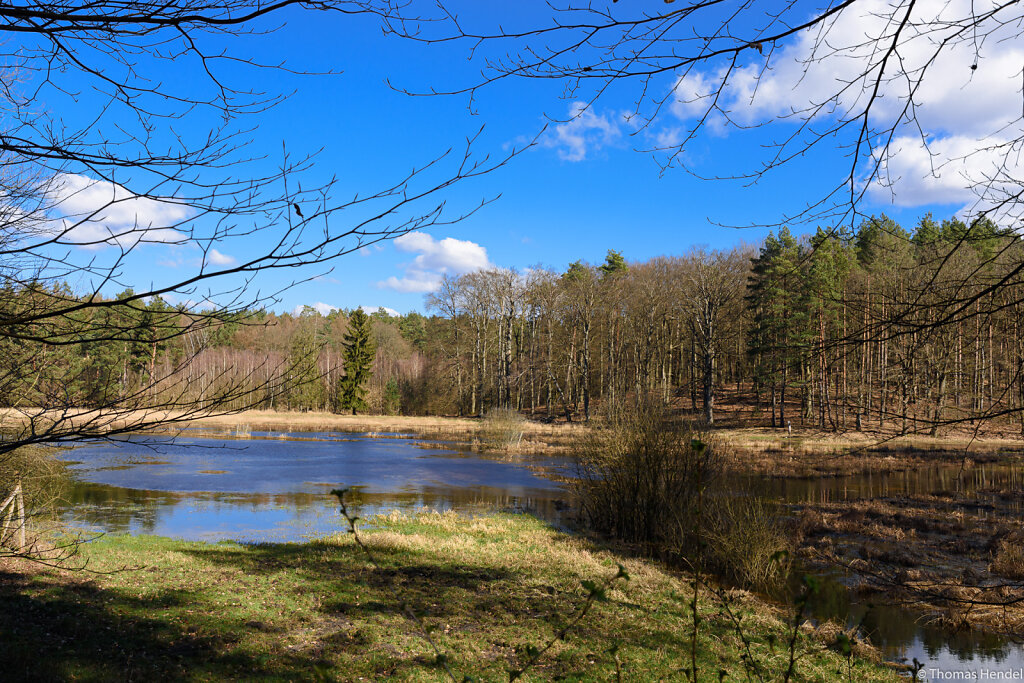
(41, 475)
(653, 481)
(502, 429)
(642, 478)
(392, 400)
(747, 541)
(44, 481)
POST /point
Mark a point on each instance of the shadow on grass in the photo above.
(156, 624)
(438, 588)
(55, 629)
(295, 612)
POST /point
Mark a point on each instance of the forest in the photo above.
(914, 330)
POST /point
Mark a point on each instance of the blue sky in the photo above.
(579, 192)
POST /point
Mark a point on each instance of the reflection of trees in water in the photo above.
(115, 509)
(894, 628)
(1000, 484)
(965, 644)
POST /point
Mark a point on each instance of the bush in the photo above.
(642, 478)
(502, 429)
(392, 400)
(652, 481)
(747, 540)
(41, 475)
(43, 480)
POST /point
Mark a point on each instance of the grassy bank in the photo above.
(489, 588)
(810, 453)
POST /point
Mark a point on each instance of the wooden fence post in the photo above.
(15, 499)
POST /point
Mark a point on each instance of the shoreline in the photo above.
(877, 535)
(757, 450)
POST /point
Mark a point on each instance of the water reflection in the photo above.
(273, 489)
(295, 516)
(899, 632)
(902, 634)
(998, 485)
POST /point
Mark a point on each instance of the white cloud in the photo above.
(585, 132)
(218, 259)
(434, 259)
(691, 95)
(320, 307)
(373, 309)
(961, 111)
(932, 175)
(326, 309)
(448, 255)
(96, 213)
(417, 283)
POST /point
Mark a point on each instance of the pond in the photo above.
(999, 486)
(276, 487)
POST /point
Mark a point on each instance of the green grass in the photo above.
(489, 587)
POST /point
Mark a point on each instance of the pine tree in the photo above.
(778, 337)
(614, 263)
(358, 354)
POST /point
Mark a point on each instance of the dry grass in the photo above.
(539, 436)
(502, 430)
(946, 556)
(1008, 561)
(809, 454)
(806, 452)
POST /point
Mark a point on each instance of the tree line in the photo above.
(874, 327)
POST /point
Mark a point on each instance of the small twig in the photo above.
(595, 593)
(440, 656)
(810, 588)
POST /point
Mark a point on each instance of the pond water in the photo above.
(276, 487)
(998, 486)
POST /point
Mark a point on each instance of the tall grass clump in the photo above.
(747, 540)
(502, 429)
(1008, 560)
(642, 478)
